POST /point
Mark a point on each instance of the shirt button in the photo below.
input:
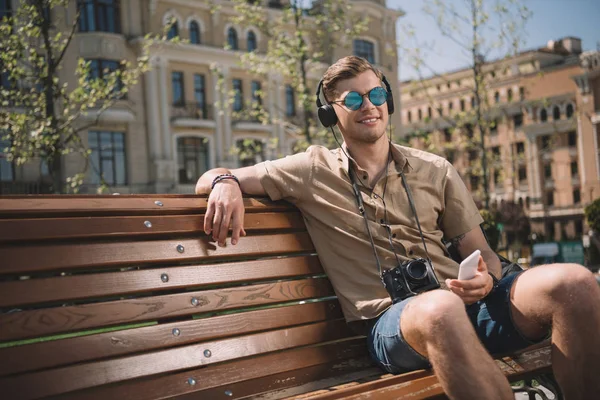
(394, 235)
(410, 252)
(364, 177)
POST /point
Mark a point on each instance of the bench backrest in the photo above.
(126, 297)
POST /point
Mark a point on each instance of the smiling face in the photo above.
(367, 124)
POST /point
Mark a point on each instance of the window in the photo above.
(494, 126)
(7, 173)
(574, 169)
(194, 33)
(450, 107)
(450, 155)
(520, 148)
(550, 198)
(173, 31)
(232, 39)
(177, 85)
(473, 155)
(192, 158)
(497, 97)
(509, 95)
(100, 16)
(578, 228)
(238, 95)
(5, 8)
(251, 151)
(522, 174)
(108, 157)
(462, 104)
(100, 69)
(576, 196)
(569, 110)
(556, 113)
(365, 49)
(496, 176)
(544, 115)
(496, 153)
(518, 120)
(440, 111)
(521, 93)
(472, 102)
(251, 41)
(548, 171)
(200, 93)
(448, 135)
(290, 102)
(409, 116)
(572, 138)
(474, 182)
(420, 114)
(429, 112)
(256, 95)
(545, 142)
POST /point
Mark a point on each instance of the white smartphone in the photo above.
(468, 266)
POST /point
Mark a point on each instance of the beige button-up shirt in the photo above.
(317, 182)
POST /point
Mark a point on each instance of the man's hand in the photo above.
(225, 206)
(475, 289)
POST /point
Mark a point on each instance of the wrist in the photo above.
(494, 283)
(225, 178)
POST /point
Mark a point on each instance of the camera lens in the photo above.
(416, 270)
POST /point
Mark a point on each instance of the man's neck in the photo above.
(373, 158)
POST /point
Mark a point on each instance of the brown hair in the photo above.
(345, 68)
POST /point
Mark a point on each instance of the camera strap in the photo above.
(361, 209)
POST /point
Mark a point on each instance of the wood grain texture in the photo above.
(46, 206)
(243, 371)
(87, 286)
(57, 353)
(35, 323)
(63, 257)
(76, 228)
(66, 379)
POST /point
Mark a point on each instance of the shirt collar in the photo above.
(398, 157)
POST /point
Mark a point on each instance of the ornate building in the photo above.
(544, 137)
(169, 129)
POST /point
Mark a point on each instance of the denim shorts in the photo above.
(491, 317)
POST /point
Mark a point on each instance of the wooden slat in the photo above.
(51, 382)
(243, 371)
(97, 227)
(28, 206)
(533, 362)
(56, 353)
(35, 323)
(77, 287)
(28, 259)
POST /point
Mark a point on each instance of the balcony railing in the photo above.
(18, 187)
(192, 111)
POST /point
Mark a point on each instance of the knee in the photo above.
(434, 312)
(566, 283)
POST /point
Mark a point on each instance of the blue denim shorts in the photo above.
(491, 317)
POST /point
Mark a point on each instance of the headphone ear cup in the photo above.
(390, 103)
(327, 115)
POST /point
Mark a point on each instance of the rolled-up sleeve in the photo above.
(287, 178)
(460, 212)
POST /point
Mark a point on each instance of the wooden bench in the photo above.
(124, 297)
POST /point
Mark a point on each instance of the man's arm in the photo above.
(477, 288)
(225, 203)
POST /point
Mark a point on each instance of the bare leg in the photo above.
(436, 325)
(566, 297)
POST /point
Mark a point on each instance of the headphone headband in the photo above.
(327, 114)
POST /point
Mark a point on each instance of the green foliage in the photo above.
(41, 116)
(300, 37)
(592, 215)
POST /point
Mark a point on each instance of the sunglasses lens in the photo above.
(378, 96)
(353, 101)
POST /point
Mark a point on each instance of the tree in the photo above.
(300, 40)
(40, 115)
(481, 29)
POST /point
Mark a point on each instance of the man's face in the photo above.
(367, 123)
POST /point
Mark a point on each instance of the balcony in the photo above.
(20, 187)
(193, 115)
(245, 121)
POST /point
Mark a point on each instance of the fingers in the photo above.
(224, 228)
(208, 217)
(216, 222)
(237, 226)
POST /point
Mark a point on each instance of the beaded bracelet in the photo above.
(222, 177)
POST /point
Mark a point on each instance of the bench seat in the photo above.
(125, 297)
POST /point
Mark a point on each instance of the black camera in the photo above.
(409, 279)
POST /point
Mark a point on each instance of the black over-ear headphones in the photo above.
(327, 114)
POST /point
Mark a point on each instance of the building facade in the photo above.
(542, 138)
(178, 121)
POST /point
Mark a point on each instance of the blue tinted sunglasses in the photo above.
(354, 100)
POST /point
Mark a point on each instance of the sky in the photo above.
(550, 20)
